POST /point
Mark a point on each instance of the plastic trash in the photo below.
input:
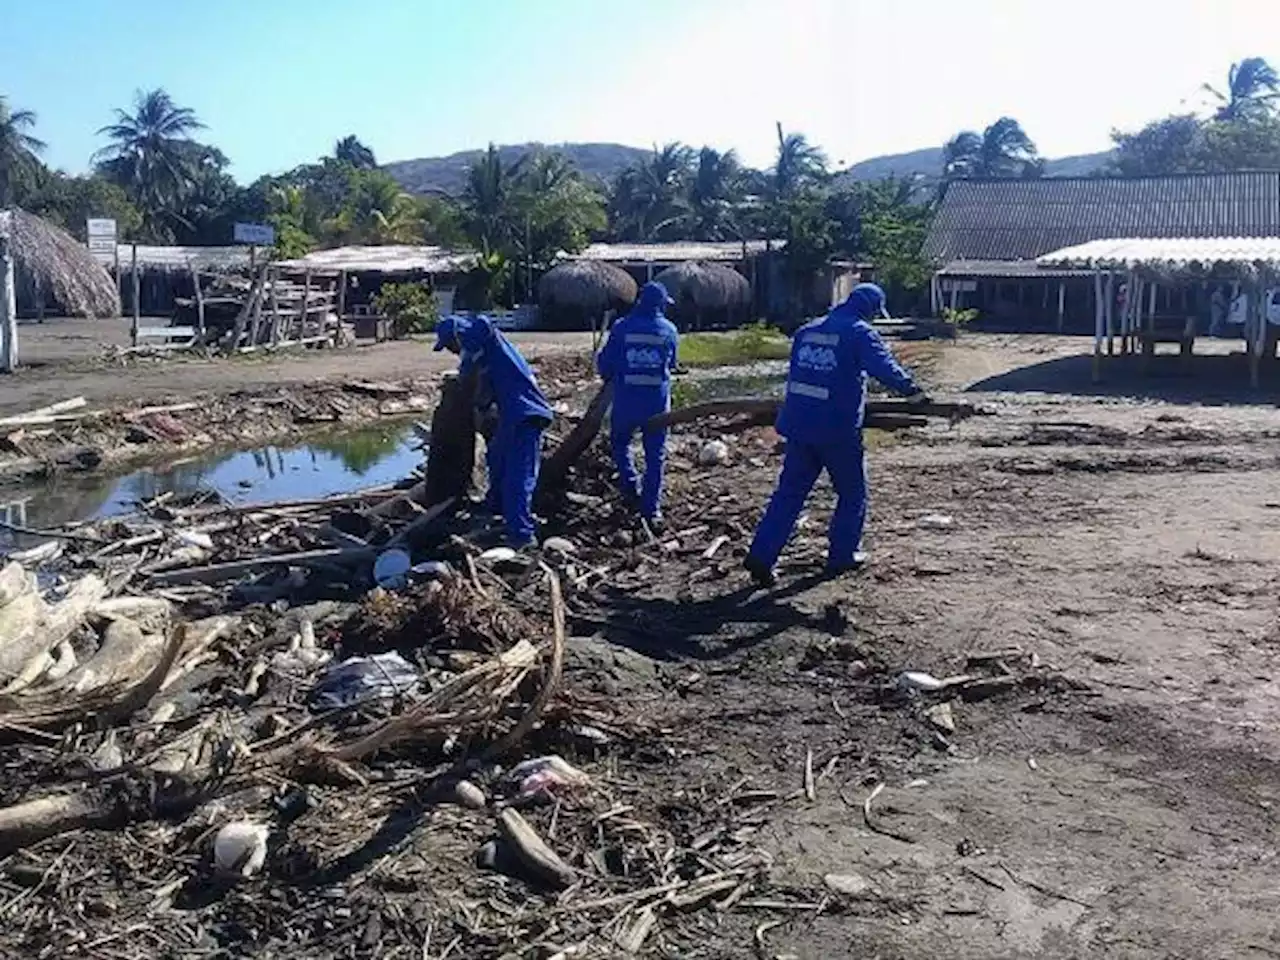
(431, 570)
(559, 545)
(548, 775)
(195, 538)
(391, 569)
(498, 555)
(936, 521)
(383, 675)
(919, 680)
(714, 453)
(240, 848)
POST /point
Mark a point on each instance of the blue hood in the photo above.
(653, 298)
(468, 333)
(866, 302)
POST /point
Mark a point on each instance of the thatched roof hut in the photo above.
(706, 287)
(587, 286)
(54, 270)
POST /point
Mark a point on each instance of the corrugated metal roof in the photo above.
(1023, 219)
(674, 252)
(1171, 252)
(389, 259)
(1007, 269)
(176, 258)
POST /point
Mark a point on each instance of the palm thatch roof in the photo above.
(587, 285)
(50, 261)
(706, 286)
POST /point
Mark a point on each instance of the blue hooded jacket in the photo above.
(831, 359)
(504, 375)
(639, 357)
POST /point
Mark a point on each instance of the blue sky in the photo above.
(278, 81)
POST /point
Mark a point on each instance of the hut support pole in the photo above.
(305, 315)
(39, 299)
(935, 296)
(275, 310)
(1108, 310)
(137, 296)
(8, 311)
(1062, 305)
(1097, 326)
(195, 282)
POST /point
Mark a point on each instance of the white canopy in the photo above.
(1126, 253)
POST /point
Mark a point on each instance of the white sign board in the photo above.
(257, 234)
(102, 237)
(960, 286)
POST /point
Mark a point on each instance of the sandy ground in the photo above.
(64, 358)
(1123, 538)
(1128, 543)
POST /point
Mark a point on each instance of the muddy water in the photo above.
(337, 464)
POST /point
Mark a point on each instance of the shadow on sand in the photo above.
(1216, 379)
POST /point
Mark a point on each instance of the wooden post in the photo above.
(195, 280)
(1062, 305)
(1108, 307)
(275, 309)
(8, 310)
(306, 304)
(935, 296)
(39, 285)
(137, 296)
(1097, 325)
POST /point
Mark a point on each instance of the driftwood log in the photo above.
(880, 414)
(555, 468)
(451, 456)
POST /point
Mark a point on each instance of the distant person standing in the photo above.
(638, 359)
(821, 419)
(504, 380)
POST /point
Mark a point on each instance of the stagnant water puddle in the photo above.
(334, 465)
(337, 464)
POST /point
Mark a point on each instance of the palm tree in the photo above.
(650, 199)
(151, 156)
(19, 151)
(714, 195)
(1001, 150)
(1252, 89)
(487, 200)
(351, 151)
(800, 164)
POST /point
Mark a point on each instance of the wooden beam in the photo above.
(195, 280)
(1062, 305)
(137, 295)
(8, 310)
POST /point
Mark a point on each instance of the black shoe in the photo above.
(761, 573)
(656, 524)
(860, 560)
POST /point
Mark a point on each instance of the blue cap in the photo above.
(653, 290)
(868, 300)
(449, 331)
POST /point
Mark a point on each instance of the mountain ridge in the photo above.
(604, 161)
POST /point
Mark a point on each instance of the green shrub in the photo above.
(410, 308)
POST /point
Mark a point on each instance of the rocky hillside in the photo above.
(604, 161)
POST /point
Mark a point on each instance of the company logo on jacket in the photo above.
(640, 358)
(820, 359)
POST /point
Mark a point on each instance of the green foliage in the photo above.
(1001, 150)
(525, 213)
(19, 153)
(70, 202)
(1252, 89)
(959, 318)
(757, 341)
(1187, 144)
(410, 307)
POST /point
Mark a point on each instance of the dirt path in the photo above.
(1124, 804)
(64, 358)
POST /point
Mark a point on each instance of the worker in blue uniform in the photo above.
(503, 380)
(821, 420)
(638, 359)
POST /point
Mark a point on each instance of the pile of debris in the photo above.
(346, 728)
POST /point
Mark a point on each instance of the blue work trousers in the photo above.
(513, 457)
(801, 467)
(655, 458)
